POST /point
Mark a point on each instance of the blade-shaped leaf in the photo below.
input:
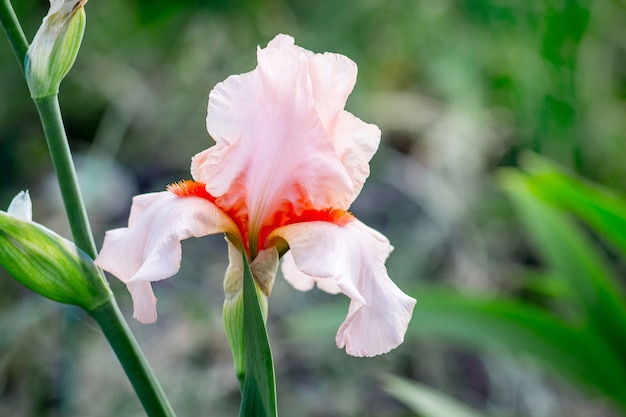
(258, 386)
(571, 255)
(602, 209)
(573, 350)
(426, 401)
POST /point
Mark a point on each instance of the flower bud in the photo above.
(47, 263)
(55, 46)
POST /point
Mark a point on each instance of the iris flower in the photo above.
(287, 163)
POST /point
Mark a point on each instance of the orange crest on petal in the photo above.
(188, 188)
(285, 216)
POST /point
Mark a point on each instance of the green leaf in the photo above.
(569, 254)
(601, 208)
(258, 386)
(426, 401)
(572, 349)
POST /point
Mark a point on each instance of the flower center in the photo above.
(254, 241)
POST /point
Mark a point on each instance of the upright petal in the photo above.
(355, 142)
(149, 248)
(332, 79)
(353, 256)
(21, 206)
(271, 146)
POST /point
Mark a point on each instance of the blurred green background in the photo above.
(520, 312)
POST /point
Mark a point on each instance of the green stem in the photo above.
(107, 315)
(50, 115)
(14, 32)
(150, 393)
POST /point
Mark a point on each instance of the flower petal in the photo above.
(271, 146)
(144, 301)
(149, 248)
(353, 255)
(304, 282)
(21, 206)
(332, 78)
(355, 142)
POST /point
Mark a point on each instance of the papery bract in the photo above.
(287, 163)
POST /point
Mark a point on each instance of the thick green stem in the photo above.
(150, 393)
(50, 115)
(14, 32)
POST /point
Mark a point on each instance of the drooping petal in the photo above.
(272, 148)
(144, 301)
(149, 248)
(353, 256)
(303, 282)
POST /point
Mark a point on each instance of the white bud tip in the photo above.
(21, 206)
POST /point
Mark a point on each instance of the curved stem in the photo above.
(50, 115)
(14, 31)
(107, 315)
(117, 332)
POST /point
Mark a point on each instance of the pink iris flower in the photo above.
(287, 163)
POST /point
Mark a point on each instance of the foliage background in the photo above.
(459, 88)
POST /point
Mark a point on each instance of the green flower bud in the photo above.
(55, 46)
(47, 263)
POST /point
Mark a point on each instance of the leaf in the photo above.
(601, 208)
(426, 401)
(573, 350)
(258, 386)
(570, 254)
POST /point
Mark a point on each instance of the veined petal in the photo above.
(333, 77)
(149, 248)
(355, 142)
(273, 149)
(303, 282)
(144, 301)
(353, 256)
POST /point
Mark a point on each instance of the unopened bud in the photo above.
(55, 46)
(47, 263)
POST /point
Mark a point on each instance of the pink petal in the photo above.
(355, 142)
(282, 136)
(149, 248)
(304, 282)
(144, 301)
(352, 255)
(333, 77)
